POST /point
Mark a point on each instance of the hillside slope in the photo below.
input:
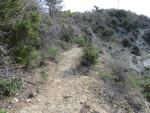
(64, 92)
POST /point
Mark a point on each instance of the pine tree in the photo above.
(53, 6)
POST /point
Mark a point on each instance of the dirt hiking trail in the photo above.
(65, 94)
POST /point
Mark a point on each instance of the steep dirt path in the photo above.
(65, 94)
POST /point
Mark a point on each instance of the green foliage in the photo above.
(146, 37)
(62, 44)
(67, 32)
(133, 81)
(100, 51)
(26, 31)
(44, 75)
(9, 9)
(53, 6)
(81, 41)
(25, 38)
(126, 42)
(3, 111)
(9, 87)
(23, 54)
(136, 50)
(105, 75)
(90, 56)
(53, 53)
(145, 86)
(107, 32)
(36, 59)
(147, 91)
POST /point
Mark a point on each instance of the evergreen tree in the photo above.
(53, 6)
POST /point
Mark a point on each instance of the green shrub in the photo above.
(107, 32)
(23, 54)
(24, 33)
(126, 43)
(146, 37)
(145, 85)
(147, 91)
(105, 75)
(136, 50)
(53, 53)
(118, 70)
(81, 41)
(44, 76)
(90, 56)
(3, 111)
(62, 44)
(9, 87)
(100, 51)
(133, 81)
(25, 38)
(35, 59)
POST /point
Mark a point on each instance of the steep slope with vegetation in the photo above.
(112, 71)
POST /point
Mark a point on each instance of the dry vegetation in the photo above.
(32, 38)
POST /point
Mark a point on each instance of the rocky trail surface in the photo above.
(65, 94)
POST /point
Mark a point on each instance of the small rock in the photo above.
(38, 100)
(9, 107)
(85, 91)
(14, 100)
(32, 95)
(28, 101)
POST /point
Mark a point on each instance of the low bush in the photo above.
(3, 111)
(81, 41)
(107, 32)
(146, 91)
(126, 43)
(90, 56)
(25, 38)
(22, 54)
(146, 37)
(136, 51)
(145, 85)
(53, 53)
(100, 51)
(119, 71)
(9, 87)
(62, 44)
(44, 76)
(36, 59)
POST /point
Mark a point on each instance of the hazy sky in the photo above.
(138, 6)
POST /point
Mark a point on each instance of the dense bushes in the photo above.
(105, 22)
(25, 38)
(90, 56)
(126, 42)
(146, 37)
(147, 91)
(136, 50)
(81, 41)
(107, 32)
(9, 9)
(2, 111)
(9, 87)
(53, 53)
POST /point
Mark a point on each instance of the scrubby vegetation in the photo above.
(146, 37)
(81, 41)
(2, 111)
(53, 53)
(90, 56)
(9, 87)
(29, 37)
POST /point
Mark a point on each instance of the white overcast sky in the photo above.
(138, 6)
